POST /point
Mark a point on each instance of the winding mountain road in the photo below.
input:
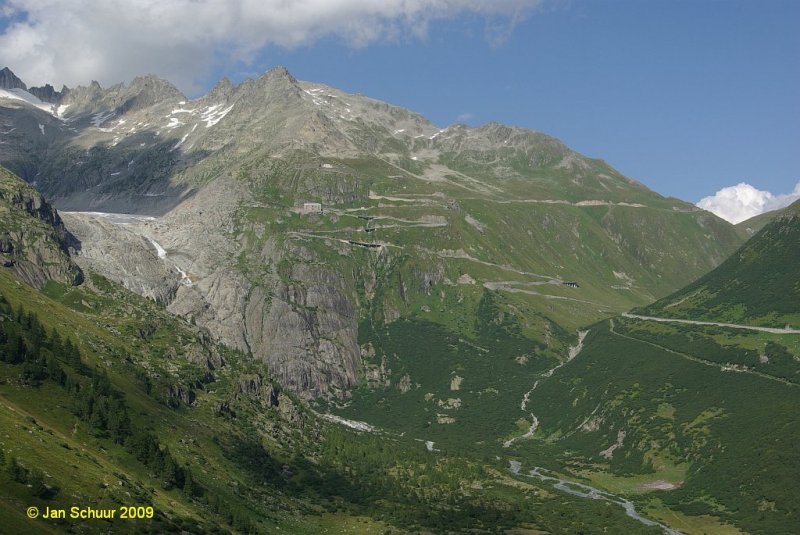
(722, 367)
(773, 330)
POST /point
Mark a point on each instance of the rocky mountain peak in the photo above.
(222, 90)
(155, 86)
(147, 90)
(277, 80)
(275, 87)
(9, 80)
(47, 93)
(279, 72)
(84, 96)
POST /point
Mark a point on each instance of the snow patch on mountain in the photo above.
(100, 118)
(213, 114)
(160, 251)
(174, 123)
(24, 96)
(352, 424)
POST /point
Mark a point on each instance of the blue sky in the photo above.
(686, 96)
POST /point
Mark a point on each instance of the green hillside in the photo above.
(706, 412)
(757, 285)
(756, 223)
(703, 415)
(693, 422)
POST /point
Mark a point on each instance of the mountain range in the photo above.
(319, 260)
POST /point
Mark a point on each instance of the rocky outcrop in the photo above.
(179, 394)
(9, 80)
(253, 386)
(34, 243)
(47, 93)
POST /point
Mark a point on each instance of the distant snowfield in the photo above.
(24, 96)
(213, 114)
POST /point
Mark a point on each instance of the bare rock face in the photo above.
(47, 93)
(120, 254)
(34, 244)
(301, 322)
(307, 332)
(216, 301)
(177, 394)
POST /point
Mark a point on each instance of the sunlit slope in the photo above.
(620, 253)
(756, 223)
(757, 285)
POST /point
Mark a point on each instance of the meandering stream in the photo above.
(585, 491)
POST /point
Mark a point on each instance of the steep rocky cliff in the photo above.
(38, 249)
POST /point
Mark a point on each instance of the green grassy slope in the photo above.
(697, 419)
(693, 423)
(706, 413)
(622, 255)
(706, 410)
(757, 285)
(756, 223)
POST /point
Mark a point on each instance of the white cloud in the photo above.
(465, 117)
(74, 41)
(742, 201)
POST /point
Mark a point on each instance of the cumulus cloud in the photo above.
(742, 201)
(73, 41)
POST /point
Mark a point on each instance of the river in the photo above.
(585, 491)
